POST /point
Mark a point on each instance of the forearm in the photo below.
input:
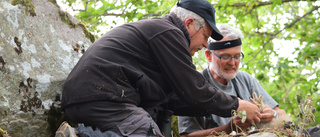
(181, 108)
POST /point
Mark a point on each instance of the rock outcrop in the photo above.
(39, 45)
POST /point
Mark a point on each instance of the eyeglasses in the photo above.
(228, 58)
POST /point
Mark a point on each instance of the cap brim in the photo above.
(216, 34)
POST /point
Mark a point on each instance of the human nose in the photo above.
(205, 45)
(232, 61)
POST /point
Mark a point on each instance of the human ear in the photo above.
(208, 55)
(188, 22)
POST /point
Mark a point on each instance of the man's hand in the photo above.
(237, 121)
(267, 115)
(252, 110)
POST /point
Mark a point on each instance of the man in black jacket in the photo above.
(122, 80)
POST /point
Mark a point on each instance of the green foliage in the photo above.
(200, 60)
(110, 13)
(174, 126)
(293, 26)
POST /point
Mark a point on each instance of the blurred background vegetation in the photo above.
(281, 43)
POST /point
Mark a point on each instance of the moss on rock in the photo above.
(28, 4)
(65, 18)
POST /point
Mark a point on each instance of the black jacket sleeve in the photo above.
(194, 93)
(180, 108)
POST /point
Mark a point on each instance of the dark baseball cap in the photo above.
(204, 9)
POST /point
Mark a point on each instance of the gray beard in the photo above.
(216, 69)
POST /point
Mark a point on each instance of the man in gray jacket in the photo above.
(128, 75)
(223, 73)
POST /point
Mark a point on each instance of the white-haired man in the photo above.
(224, 57)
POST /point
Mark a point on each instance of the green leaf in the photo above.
(243, 115)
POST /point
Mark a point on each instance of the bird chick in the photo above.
(278, 122)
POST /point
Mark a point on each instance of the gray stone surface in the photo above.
(36, 55)
(263, 134)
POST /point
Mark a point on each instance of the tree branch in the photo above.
(287, 26)
(244, 4)
(80, 10)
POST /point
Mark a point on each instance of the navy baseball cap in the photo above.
(204, 9)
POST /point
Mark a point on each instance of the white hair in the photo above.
(183, 14)
(228, 31)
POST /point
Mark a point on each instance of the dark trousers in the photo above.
(122, 118)
(313, 131)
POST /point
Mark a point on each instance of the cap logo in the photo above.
(228, 43)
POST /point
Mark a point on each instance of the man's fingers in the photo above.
(266, 117)
(254, 117)
(259, 115)
(257, 120)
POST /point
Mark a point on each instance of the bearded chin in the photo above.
(229, 76)
(221, 74)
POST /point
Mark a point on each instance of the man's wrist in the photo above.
(275, 114)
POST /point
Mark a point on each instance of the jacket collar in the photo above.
(173, 18)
